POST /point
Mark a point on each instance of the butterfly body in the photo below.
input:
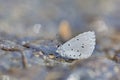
(79, 47)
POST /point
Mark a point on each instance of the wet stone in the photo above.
(10, 45)
(46, 46)
(10, 60)
(95, 68)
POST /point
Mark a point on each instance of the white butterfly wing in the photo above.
(78, 47)
(71, 55)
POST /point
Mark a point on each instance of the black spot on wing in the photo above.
(83, 46)
(68, 44)
(77, 50)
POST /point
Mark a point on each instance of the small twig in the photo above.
(24, 60)
(7, 45)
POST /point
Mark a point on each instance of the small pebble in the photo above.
(51, 56)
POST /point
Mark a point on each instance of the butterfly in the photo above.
(79, 47)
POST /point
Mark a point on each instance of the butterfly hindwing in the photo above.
(78, 47)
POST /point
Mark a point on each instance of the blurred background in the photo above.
(49, 23)
(42, 17)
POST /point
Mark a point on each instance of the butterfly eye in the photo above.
(58, 45)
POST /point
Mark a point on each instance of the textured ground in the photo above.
(31, 31)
